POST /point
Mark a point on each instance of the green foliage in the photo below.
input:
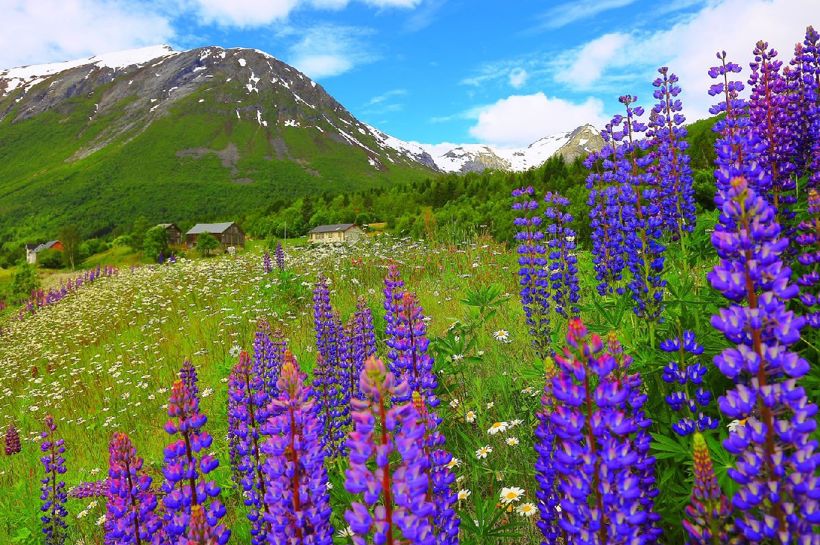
(155, 242)
(70, 237)
(50, 259)
(206, 243)
(138, 232)
(25, 281)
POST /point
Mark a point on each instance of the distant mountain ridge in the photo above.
(209, 133)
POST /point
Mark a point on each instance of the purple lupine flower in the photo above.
(808, 241)
(186, 468)
(688, 375)
(596, 421)
(547, 493)
(332, 412)
(90, 489)
(280, 256)
(770, 123)
(605, 217)
(323, 320)
(187, 374)
(11, 440)
(362, 339)
(413, 363)
(707, 514)
(640, 213)
(799, 102)
(562, 268)
(388, 471)
(672, 168)
(776, 458)
(130, 515)
(268, 350)
(297, 492)
(735, 150)
(248, 412)
(532, 271)
(200, 531)
(393, 290)
(440, 492)
(53, 491)
(267, 264)
(811, 72)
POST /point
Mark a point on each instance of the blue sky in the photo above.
(504, 72)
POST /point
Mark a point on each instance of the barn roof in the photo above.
(335, 228)
(45, 245)
(209, 228)
(167, 225)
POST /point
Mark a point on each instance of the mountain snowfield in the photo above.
(444, 157)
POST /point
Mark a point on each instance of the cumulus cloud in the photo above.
(626, 62)
(518, 77)
(519, 120)
(329, 50)
(59, 30)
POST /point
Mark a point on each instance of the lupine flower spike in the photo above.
(562, 268)
(687, 374)
(130, 517)
(11, 440)
(187, 374)
(297, 493)
(547, 493)
(707, 514)
(186, 468)
(776, 457)
(388, 472)
(410, 344)
(280, 257)
(267, 265)
(53, 491)
(248, 413)
(808, 242)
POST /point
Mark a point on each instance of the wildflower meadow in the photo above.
(659, 386)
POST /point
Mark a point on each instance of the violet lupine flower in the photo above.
(333, 412)
(53, 491)
(735, 150)
(388, 470)
(280, 256)
(440, 491)
(130, 516)
(187, 374)
(248, 412)
(707, 514)
(199, 530)
(595, 424)
(324, 322)
(362, 339)
(771, 125)
(799, 102)
(267, 265)
(672, 168)
(297, 493)
(393, 290)
(11, 440)
(268, 350)
(776, 459)
(811, 71)
(605, 217)
(90, 489)
(410, 343)
(686, 373)
(641, 215)
(808, 241)
(545, 476)
(532, 271)
(562, 268)
(186, 468)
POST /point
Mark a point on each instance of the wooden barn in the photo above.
(33, 249)
(174, 233)
(228, 233)
(340, 232)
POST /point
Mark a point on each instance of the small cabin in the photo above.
(340, 232)
(174, 233)
(33, 249)
(228, 234)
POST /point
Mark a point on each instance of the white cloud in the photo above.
(519, 120)
(255, 13)
(625, 63)
(518, 77)
(589, 62)
(57, 30)
(329, 50)
(578, 10)
(386, 96)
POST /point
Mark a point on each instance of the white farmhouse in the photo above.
(340, 232)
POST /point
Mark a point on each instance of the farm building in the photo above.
(33, 249)
(228, 233)
(174, 233)
(340, 232)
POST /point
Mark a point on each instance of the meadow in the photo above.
(657, 386)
